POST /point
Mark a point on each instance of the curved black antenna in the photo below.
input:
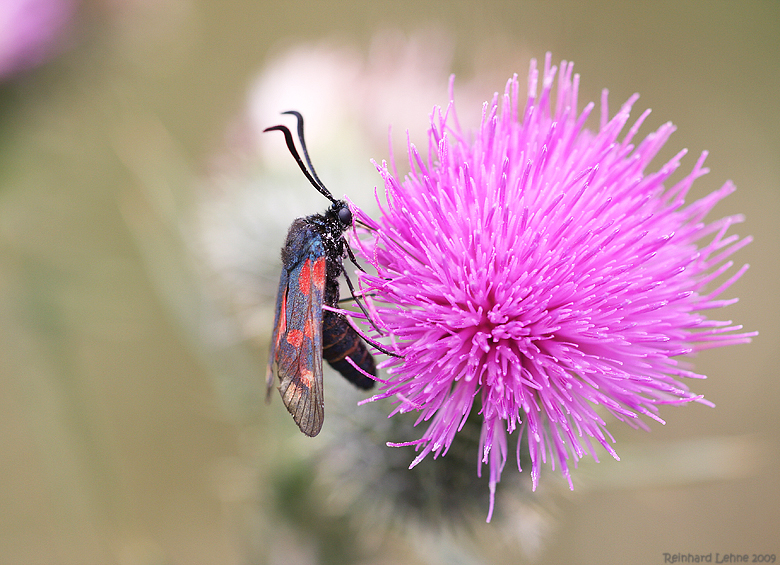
(294, 152)
(303, 146)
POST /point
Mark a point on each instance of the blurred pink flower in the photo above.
(535, 267)
(30, 31)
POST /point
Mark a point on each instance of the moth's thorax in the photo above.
(331, 226)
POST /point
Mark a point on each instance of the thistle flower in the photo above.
(535, 272)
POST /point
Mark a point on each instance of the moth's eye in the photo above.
(345, 216)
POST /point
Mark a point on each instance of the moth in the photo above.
(304, 333)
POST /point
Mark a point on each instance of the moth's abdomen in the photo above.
(339, 341)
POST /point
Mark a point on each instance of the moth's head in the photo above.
(340, 210)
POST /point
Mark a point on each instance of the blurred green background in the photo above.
(132, 427)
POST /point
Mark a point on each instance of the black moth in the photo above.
(304, 333)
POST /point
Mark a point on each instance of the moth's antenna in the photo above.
(303, 146)
(294, 152)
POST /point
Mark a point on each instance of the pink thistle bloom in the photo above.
(534, 268)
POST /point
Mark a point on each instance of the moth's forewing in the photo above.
(312, 263)
(297, 345)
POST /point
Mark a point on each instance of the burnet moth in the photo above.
(304, 333)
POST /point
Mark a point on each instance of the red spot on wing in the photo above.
(304, 279)
(295, 338)
(308, 330)
(319, 273)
